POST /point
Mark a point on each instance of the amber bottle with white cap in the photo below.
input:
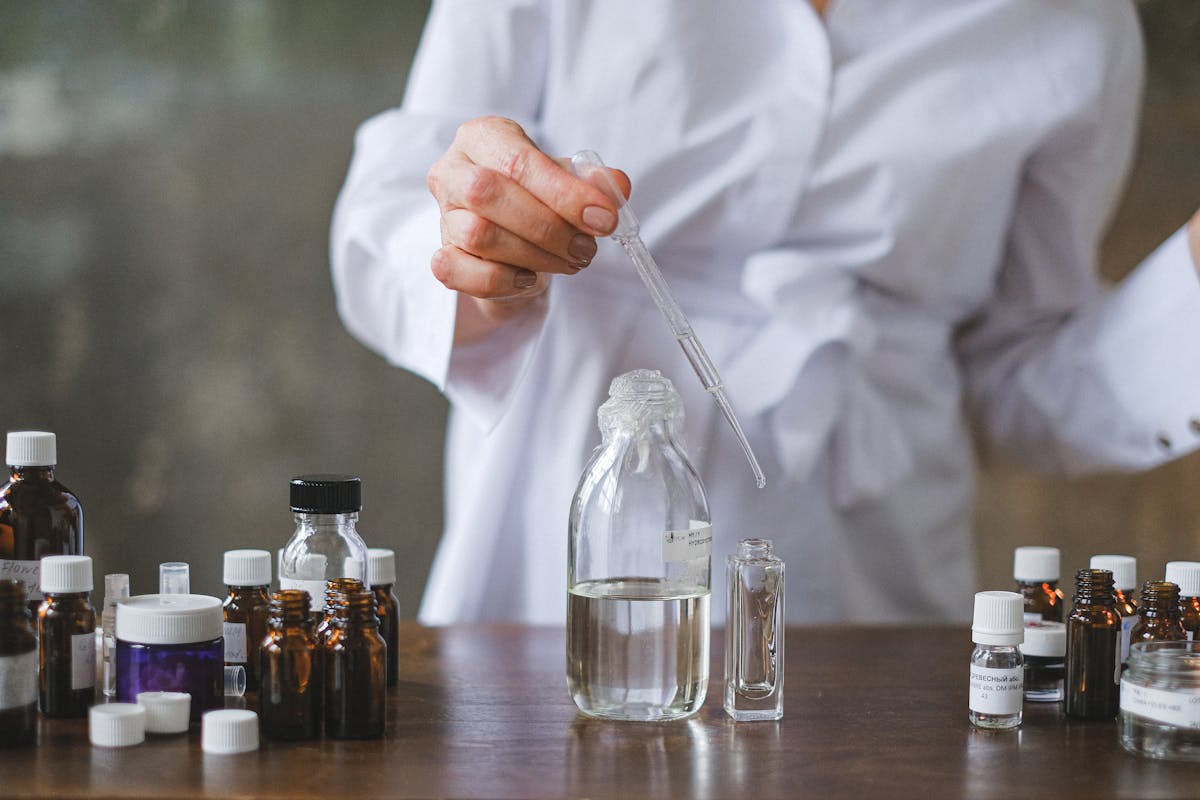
(1125, 592)
(1036, 572)
(387, 606)
(997, 669)
(66, 638)
(247, 573)
(1186, 575)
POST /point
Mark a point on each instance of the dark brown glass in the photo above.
(1160, 619)
(1092, 687)
(1124, 603)
(38, 517)
(1042, 597)
(18, 725)
(387, 608)
(1189, 615)
(250, 606)
(60, 617)
(334, 589)
(290, 661)
(355, 671)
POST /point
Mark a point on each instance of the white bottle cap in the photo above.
(229, 730)
(170, 619)
(117, 724)
(383, 566)
(1123, 568)
(1185, 575)
(247, 568)
(999, 618)
(1047, 639)
(1036, 564)
(166, 712)
(62, 574)
(31, 449)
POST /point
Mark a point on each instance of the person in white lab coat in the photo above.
(879, 219)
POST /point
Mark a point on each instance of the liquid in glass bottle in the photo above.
(355, 671)
(291, 702)
(997, 674)
(66, 638)
(1093, 648)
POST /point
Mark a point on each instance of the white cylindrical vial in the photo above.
(997, 670)
(229, 730)
(117, 724)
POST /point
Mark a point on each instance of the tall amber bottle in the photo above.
(38, 515)
(356, 671)
(387, 607)
(1093, 648)
(18, 668)
(66, 638)
(1186, 575)
(247, 573)
(290, 662)
(1159, 614)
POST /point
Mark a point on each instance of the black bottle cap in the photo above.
(326, 494)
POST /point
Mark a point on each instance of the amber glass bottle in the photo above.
(290, 703)
(247, 574)
(18, 668)
(335, 588)
(38, 515)
(1160, 618)
(66, 638)
(355, 671)
(1036, 572)
(387, 606)
(1093, 648)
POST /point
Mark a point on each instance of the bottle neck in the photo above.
(64, 598)
(357, 610)
(1159, 600)
(289, 607)
(340, 522)
(1094, 587)
(32, 473)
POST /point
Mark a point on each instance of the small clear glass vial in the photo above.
(247, 573)
(997, 675)
(1044, 651)
(754, 633)
(1125, 590)
(1186, 575)
(387, 606)
(116, 589)
(1036, 572)
(1160, 700)
(66, 638)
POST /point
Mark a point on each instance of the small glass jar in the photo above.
(1160, 700)
(172, 643)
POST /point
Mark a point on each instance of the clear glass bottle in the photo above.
(1093, 648)
(1186, 575)
(356, 671)
(1124, 570)
(326, 538)
(997, 675)
(66, 638)
(754, 633)
(18, 668)
(1160, 700)
(42, 517)
(291, 703)
(1159, 616)
(247, 574)
(1036, 572)
(639, 563)
(387, 606)
(116, 589)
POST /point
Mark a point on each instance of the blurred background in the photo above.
(167, 173)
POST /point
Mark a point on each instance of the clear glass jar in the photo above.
(1160, 700)
(754, 631)
(326, 544)
(639, 563)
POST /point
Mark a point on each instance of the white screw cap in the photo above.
(117, 724)
(1123, 568)
(999, 618)
(1035, 564)
(61, 574)
(1047, 639)
(383, 566)
(166, 712)
(1185, 575)
(229, 730)
(247, 568)
(31, 449)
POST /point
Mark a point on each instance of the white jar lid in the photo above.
(229, 730)
(1048, 639)
(1123, 568)
(31, 449)
(63, 574)
(1034, 564)
(117, 724)
(383, 566)
(166, 712)
(999, 618)
(247, 568)
(1185, 575)
(170, 619)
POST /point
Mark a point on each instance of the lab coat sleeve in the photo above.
(1064, 374)
(476, 57)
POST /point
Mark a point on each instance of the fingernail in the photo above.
(599, 219)
(524, 279)
(582, 248)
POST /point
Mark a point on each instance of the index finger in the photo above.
(503, 146)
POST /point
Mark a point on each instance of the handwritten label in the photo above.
(83, 660)
(996, 691)
(28, 571)
(235, 643)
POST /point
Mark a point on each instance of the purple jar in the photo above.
(172, 643)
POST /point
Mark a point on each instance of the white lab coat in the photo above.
(871, 220)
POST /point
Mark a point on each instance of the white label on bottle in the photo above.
(28, 571)
(235, 643)
(18, 680)
(83, 660)
(1127, 624)
(1180, 709)
(315, 589)
(689, 544)
(996, 691)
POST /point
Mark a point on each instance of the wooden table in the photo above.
(483, 712)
